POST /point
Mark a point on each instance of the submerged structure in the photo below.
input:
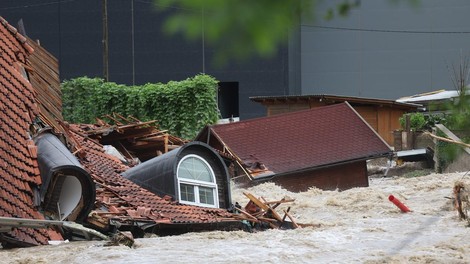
(326, 147)
(192, 174)
(381, 114)
(51, 170)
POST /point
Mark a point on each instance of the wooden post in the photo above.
(166, 143)
(409, 137)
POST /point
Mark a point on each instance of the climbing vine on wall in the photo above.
(182, 107)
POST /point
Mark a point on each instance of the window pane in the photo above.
(187, 192)
(206, 195)
(195, 169)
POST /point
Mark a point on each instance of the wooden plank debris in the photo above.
(132, 137)
(262, 212)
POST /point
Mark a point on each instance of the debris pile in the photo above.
(262, 214)
(132, 137)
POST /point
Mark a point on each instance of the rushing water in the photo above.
(354, 226)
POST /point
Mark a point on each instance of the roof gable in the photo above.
(304, 139)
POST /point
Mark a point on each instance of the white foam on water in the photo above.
(359, 225)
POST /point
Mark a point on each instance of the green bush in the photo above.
(182, 107)
(417, 121)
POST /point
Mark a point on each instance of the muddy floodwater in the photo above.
(355, 226)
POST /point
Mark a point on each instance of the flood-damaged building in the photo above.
(381, 114)
(51, 170)
(325, 147)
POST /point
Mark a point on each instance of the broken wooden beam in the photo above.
(291, 219)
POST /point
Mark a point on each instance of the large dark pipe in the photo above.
(67, 191)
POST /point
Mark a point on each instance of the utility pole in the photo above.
(105, 40)
(133, 42)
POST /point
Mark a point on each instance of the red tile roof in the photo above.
(302, 140)
(118, 197)
(19, 172)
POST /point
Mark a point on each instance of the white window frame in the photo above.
(196, 184)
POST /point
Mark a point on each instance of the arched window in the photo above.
(196, 182)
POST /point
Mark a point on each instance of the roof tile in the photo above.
(140, 203)
(304, 139)
(16, 159)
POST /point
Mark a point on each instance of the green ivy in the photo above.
(182, 107)
(419, 121)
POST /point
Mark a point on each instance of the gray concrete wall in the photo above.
(384, 50)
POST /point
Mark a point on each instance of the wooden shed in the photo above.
(382, 115)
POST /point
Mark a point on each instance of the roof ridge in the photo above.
(22, 39)
(279, 115)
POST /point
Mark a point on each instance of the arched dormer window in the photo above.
(196, 182)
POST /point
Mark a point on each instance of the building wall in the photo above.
(383, 49)
(138, 50)
(340, 177)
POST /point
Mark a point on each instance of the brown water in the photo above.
(355, 226)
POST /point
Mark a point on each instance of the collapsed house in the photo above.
(122, 204)
(192, 174)
(326, 147)
(51, 170)
(188, 172)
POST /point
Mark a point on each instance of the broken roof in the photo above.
(119, 202)
(19, 172)
(300, 140)
(122, 200)
(429, 96)
(132, 137)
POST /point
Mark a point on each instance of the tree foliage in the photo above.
(459, 107)
(182, 107)
(240, 29)
(458, 116)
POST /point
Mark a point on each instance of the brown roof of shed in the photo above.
(329, 99)
(19, 172)
(303, 140)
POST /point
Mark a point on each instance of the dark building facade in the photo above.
(383, 49)
(139, 52)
